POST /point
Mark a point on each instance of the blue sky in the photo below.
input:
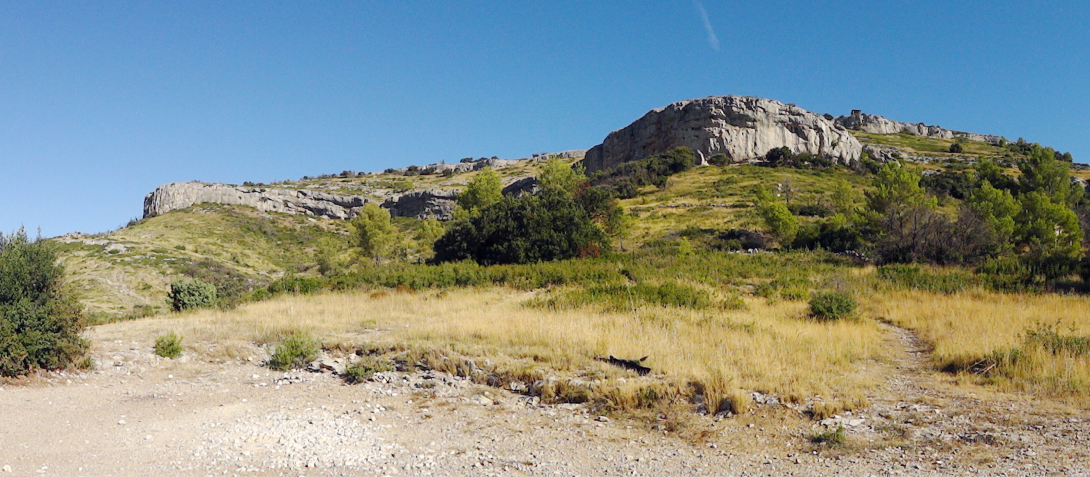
(100, 102)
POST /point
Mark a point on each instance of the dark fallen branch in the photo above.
(633, 364)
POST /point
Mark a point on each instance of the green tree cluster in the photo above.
(779, 220)
(523, 229)
(40, 323)
(373, 232)
(189, 293)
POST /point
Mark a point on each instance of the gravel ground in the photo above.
(143, 415)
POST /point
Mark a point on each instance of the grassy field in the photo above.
(716, 325)
(1034, 343)
(719, 356)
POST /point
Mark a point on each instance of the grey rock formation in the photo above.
(423, 204)
(179, 195)
(860, 121)
(526, 185)
(741, 127)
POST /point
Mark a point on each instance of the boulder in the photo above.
(743, 128)
(422, 204)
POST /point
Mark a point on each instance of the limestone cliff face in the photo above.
(874, 124)
(179, 195)
(741, 127)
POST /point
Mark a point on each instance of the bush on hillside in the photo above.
(295, 351)
(231, 286)
(785, 157)
(832, 306)
(168, 345)
(524, 229)
(187, 293)
(39, 323)
(626, 178)
(295, 284)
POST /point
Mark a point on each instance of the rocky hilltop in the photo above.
(179, 195)
(860, 121)
(740, 127)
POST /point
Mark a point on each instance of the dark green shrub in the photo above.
(624, 297)
(186, 293)
(953, 183)
(261, 294)
(1007, 274)
(169, 345)
(295, 351)
(837, 238)
(956, 148)
(832, 306)
(362, 370)
(915, 277)
(809, 210)
(523, 229)
(295, 284)
(231, 286)
(40, 323)
(785, 157)
(626, 178)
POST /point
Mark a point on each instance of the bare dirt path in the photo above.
(143, 415)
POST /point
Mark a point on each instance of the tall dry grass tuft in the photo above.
(999, 336)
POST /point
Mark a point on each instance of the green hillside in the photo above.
(129, 270)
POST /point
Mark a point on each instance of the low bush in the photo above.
(784, 288)
(362, 370)
(918, 278)
(468, 273)
(834, 438)
(832, 306)
(168, 345)
(1049, 338)
(295, 351)
(187, 293)
(295, 284)
(624, 297)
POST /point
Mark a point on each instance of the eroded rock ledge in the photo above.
(179, 195)
(860, 121)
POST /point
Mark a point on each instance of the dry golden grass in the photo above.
(771, 348)
(965, 328)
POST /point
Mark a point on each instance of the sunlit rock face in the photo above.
(741, 127)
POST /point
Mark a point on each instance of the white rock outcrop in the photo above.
(860, 121)
(179, 195)
(741, 127)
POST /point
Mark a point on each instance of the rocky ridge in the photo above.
(179, 195)
(420, 203)
(860, 121)
(741, 127)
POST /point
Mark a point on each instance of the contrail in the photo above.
(712, 39)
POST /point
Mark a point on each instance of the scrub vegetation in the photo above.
(778, 277)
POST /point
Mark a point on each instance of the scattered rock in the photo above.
(481, 400)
